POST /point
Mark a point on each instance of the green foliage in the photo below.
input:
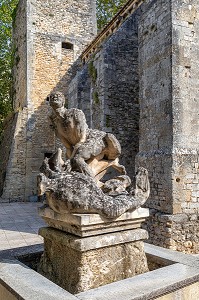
(96, 97)
(6, 10)
(14, 13)
(106, 9)
(92, 71)
(108, 121)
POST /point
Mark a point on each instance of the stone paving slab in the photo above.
(19, 225)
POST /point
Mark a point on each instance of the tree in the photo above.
(7, 7)
(106, 9)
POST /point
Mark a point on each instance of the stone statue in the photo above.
(70, 124)
(90, 151)
(73, 185)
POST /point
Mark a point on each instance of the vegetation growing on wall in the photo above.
(92, 71)
(93, 75)
(6, 10)
(96, 97)
(106, 9)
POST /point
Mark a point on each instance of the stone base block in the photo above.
(79, 264)
(93, 224)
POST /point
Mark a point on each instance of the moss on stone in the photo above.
(17, 59)
(96, 97)
(92, 71)
(14, 15)
(108, 120)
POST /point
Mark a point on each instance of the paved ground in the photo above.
(19, 224)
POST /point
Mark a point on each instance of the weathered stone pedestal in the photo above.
(97, 252)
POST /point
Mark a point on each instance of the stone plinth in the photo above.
(93, 224)
(81, 263)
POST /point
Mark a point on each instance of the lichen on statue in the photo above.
(74, 185)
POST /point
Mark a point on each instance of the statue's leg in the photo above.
(56, 162)
(79, 162)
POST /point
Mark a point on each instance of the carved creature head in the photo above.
(117, 185)
(57, 100)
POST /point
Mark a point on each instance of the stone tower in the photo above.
(169, 119)
(49, 36)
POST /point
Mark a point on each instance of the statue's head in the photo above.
(57, 100)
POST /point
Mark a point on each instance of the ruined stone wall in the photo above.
(13, 147)
(155, 144)
(122, 89)
(177, 232)
(113, 88)
(169, 123)
(107, 89)
(5, 147)
(79, 92)
(20, 154)
(13, 188)
(19, 70)
(51, 24)
(50, 35)
(185, 71)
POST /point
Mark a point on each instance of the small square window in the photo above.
(66, 45)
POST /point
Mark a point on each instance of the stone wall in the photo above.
(13, 146)
(107, 89)
(15, 159)
(155, 144)
(49, 36)
(169, 124)
(5, 147)
(177, 232)
(79, 92)
(20, 56)
(145, 70)
(49, 62)
(185, 71)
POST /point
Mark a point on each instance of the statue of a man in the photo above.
(70, 124)
(90, 151)
(74, 186)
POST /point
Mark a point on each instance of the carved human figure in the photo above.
(70, 124)
(90, 151)
(74, 186)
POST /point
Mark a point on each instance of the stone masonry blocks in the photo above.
(85, 264)
(169, 123)
(41, 66)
